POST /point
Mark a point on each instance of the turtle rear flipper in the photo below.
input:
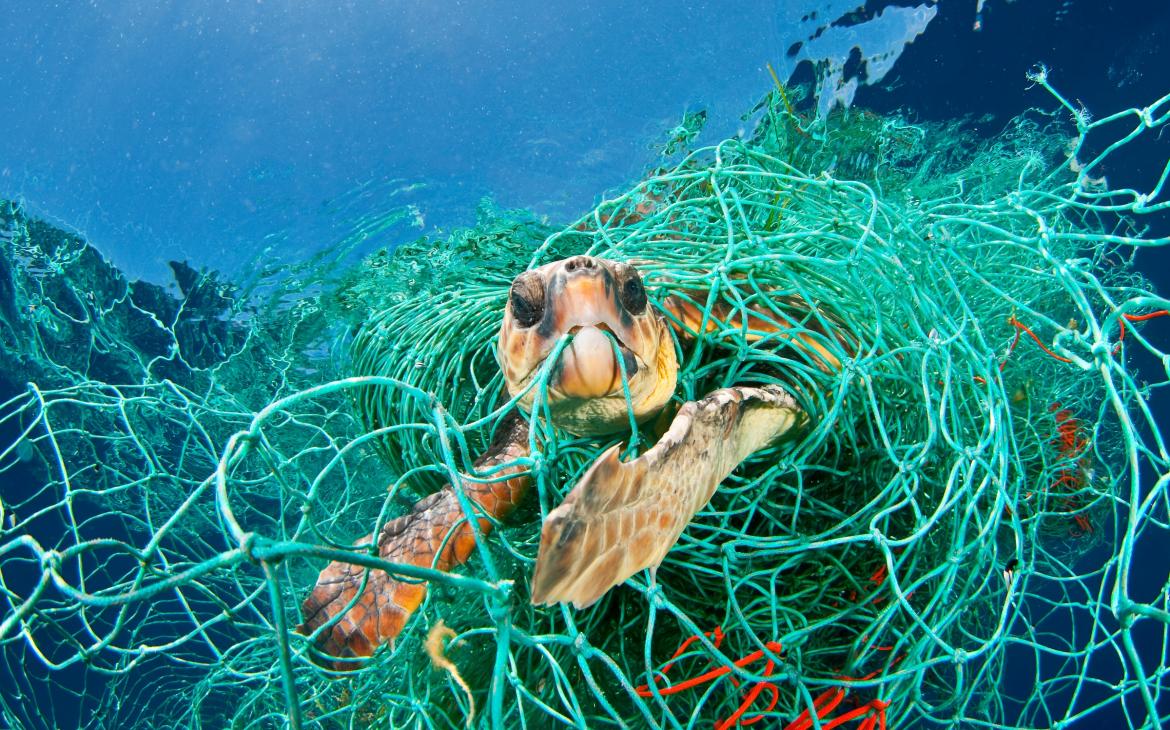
(623, 517)
(436, 533)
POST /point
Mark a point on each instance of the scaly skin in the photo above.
(622, 518)
(416, 538)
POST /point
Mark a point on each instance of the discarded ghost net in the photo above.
(952, 542)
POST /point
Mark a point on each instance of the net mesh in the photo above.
(957, 540)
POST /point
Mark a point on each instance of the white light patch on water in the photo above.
(880, 41)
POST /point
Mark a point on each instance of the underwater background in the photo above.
(205, 204)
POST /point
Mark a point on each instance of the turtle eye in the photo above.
(527, 300)
(633, 293)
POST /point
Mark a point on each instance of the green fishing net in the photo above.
(955, 540)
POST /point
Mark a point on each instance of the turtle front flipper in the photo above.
(435, 533)
(624, 517)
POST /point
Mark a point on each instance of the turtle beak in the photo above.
(589, 366)
(589, 308)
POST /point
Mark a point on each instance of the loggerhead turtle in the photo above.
(620, 518)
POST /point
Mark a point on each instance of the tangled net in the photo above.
(956, 541)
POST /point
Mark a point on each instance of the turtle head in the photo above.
(586, 298)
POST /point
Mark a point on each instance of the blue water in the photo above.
(211, 130)
(222, 133)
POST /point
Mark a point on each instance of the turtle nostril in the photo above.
(580, 262)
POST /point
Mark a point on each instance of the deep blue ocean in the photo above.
(236, 135)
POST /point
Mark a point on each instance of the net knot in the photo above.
(1126, 615)
(849, 368)
(51, 560)
(654, 595)
(498, 608)
(247, 545)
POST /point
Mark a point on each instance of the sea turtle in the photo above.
(620, 518)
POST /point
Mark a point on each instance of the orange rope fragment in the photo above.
(1011, 347)
(824, 703)
(736, 717)
(1020, 325)
(716, 638)
(752, 694)
(1022, 328)
(755, 656)
(1135, 318)
(879, 716)
(1072, 446)
(1144, 317)
(835, 695)
(851, 715)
